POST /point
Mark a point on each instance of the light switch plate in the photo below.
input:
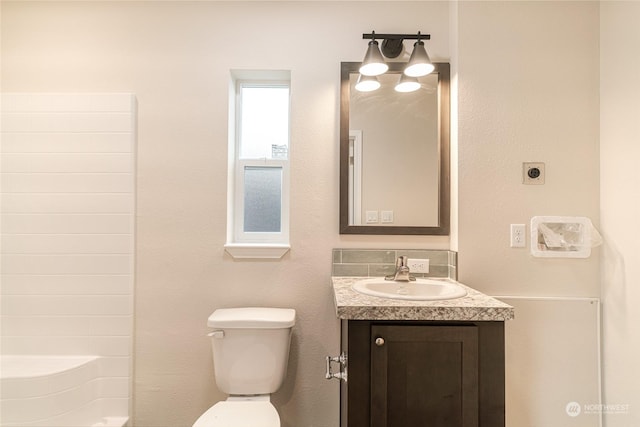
(372, 217)
(386, 217)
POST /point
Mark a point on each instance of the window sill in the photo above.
(256, 250)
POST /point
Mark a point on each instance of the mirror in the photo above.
(394, 154)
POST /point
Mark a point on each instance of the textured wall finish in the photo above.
(529, 79)
(619, 152)
(176, 57)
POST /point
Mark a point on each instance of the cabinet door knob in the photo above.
(379, 341)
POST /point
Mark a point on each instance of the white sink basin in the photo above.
(420, 290)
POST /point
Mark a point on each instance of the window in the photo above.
(258, 219)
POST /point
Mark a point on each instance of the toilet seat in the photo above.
(240, 413)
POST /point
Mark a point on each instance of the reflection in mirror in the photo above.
(392, 132)
(394, 165)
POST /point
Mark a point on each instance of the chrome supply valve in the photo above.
(342, 373)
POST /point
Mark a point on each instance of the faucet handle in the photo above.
(401, 261)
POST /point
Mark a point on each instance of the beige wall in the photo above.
(619, 152)
(399, 150)
(176, 58)
(528, 91)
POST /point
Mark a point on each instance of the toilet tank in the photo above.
(251, 348)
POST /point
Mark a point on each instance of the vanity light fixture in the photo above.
(419, 63)
(367, 83)
(407, 84)
(392, 46)
(373, 63)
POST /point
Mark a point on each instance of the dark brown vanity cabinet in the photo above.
(423, 374)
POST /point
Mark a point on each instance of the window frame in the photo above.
(240, 243)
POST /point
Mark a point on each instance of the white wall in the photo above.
(528, 91)
(176, 57)
(528, 75)
(68, 198)
(390, 132)
(620, 210)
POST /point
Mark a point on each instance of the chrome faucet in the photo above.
(402, 273)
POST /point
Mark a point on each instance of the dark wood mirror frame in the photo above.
(444, 209)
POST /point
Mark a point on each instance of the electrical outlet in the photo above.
(533, 173)
(518, 239)
(418, 265)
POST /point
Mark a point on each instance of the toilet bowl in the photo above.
(232, 413)
(250, 355)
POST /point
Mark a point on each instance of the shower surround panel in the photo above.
(68, 217)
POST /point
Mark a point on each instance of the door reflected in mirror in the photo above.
(394, 163)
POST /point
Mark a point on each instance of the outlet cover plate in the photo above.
(533, 173)
(518, 236)
(417, 265)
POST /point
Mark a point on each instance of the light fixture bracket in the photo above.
(392, 43)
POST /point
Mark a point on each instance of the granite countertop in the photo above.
(475, 306)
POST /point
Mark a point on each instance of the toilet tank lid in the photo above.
(252, 317)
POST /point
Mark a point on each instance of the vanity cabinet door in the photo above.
(423, 373)
(424, 376)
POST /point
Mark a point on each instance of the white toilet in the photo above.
(250, 354)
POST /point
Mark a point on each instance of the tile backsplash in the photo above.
(381, 262)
